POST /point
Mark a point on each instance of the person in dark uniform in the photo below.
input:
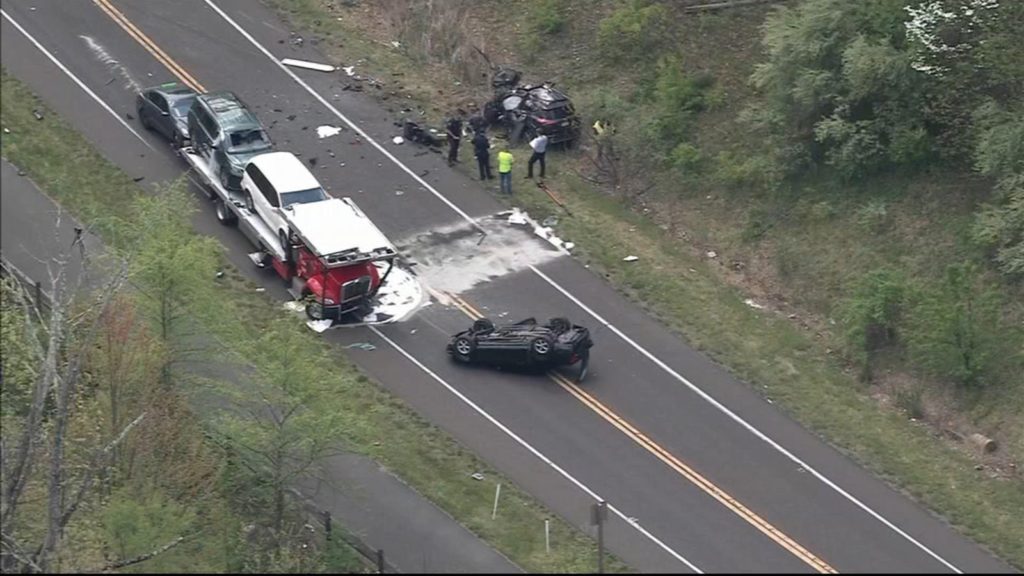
(454, 130)
(482, 149)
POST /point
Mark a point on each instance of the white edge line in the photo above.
(618, 332)
(533, 450)
(343, 118)
(753, 430)
(73, 77)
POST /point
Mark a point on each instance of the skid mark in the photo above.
(114, 64)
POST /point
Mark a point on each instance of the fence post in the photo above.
(39, 296)
(380, 561)
(327, 524)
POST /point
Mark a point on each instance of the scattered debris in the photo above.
(219, 274)
(7, 130)
(396, 44)
(399, 192)
(517, 217)
(398, 140)
(350, 70)
(39, 115)
(261, 289)
(138, 178)
(295, 306)
(752, 304)
(630, 258)
(413, 331)
(477, 476)
(319, 326)
(308, 65)
(550, 221)
(295, 40)
(362, 346)
(327, 131)
(712, 254)
(312, 161)
(569, 245)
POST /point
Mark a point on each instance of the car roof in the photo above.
(172, 89)
(229, 110)
(285, 172)
(548, 96)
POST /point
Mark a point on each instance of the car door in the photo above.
(159, 114)
(264, 198)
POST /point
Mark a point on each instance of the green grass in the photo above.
(813, 250)
(64, 164)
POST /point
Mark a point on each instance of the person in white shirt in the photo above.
(540, 146)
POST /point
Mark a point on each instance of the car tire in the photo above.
(224, 216)
(540, 348)
(462, 349)
(142, 119)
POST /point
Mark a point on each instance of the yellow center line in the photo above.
(674, 463)
(149, 45)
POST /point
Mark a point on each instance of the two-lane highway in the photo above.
(702, 474)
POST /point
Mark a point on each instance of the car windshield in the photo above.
(556, 113)
(303, 197)
(251, 140)
(180, 107)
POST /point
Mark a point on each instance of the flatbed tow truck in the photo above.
(335, 261)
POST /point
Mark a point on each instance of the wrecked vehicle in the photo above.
(525, 344)
(527, 110)
(164, 109)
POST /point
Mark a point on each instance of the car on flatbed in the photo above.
(164, 109)
(273, 183)
(227, 134)
(525, 344)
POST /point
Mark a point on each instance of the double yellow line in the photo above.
(674, 463)
(572, 388)
(149, 45)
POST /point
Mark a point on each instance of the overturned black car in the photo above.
(525, 344)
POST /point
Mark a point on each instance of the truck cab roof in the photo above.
(338, 232)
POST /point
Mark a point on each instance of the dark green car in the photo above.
(164, 109)
(227, 134)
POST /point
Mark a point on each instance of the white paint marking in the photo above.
(73, 77)
(753, 430)
(632, 522)
(308, 65)
(626, 338)
(103, 56)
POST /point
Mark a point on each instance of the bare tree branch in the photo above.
(143, 557)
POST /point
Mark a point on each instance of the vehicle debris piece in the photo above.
(630, 258)
(550, 221)
(476, 476)
(712, 254)
(319, 326)
(750, 302)
(327, 131)
(362, 346)
(308, 65)
(39, 115)
(349, 70)
(398, 140)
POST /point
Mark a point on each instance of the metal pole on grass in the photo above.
(598, 513)
(547, 535)
(497, 493)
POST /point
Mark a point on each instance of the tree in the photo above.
(170, 263)
(278, 421)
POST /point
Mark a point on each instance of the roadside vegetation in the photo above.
(825, 196)
(161, 396)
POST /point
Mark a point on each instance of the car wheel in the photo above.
(540, 347)
(463, 349)
(224, 216)
(584, 364)
(144, 120)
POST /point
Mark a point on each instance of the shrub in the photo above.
(871, 315)
(633, 31)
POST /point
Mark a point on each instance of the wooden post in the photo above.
(39, 296)
(327, 524)
(380, 561)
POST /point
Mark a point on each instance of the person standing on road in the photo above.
(540, 147)
(454, 129)
(482, 149)
(505, 161)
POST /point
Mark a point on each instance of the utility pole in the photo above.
(598, 514)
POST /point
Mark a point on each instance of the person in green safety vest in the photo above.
(505, 161)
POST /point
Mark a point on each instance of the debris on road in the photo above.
(517, 217)
(327, 131)
(399, 192)
(261, 289)
(39, 115)
(550, 221)
(630, 258)
(308, 65)
(398, 140)
(362, 346)
(750, 302)
(477, 476)
(712, 254)
(350, 70)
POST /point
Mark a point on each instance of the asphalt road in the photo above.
(701, 473)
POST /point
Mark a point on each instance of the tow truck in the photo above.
(333, 257)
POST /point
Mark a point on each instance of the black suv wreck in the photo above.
(530, 110)
(525, 344)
